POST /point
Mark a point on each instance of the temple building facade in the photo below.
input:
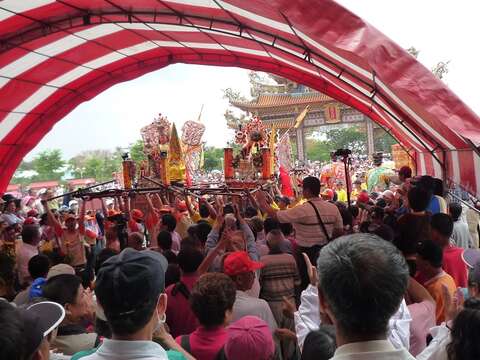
(280, 105)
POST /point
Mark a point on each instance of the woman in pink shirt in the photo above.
(212, 300)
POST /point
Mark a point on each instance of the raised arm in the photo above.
(264, 206)
(104, 208)
(211, 209)
(190, 210)
(51, 219)
(208, 260)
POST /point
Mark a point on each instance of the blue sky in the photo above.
(442, 30)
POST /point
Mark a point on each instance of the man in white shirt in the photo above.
(362, 280)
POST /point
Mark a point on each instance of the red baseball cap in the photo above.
(363, 197)
(137, 214)
(327, 194)
(239, 262)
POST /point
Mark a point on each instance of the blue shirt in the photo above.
(434, 206)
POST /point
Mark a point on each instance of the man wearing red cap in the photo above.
(241, 270)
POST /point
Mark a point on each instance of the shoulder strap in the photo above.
(185, 343)
(180, 287)
(320, 221)
(221, 354)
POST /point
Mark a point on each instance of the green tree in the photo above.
(349, 137)
(318, 150)
(136, 151)
(99, 164)
(49, 165)
(212, 158)
(384, 141)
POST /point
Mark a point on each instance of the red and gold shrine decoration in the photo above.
(176, 164)
(332, 114)
(128, 168)
(228, 163)
(266, 163)
(401, 158)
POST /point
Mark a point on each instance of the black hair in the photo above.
(411, 230)
(438, 187)
(228, 209)
(12, 338)
(103, 256)
(356, 273)
(465, 332)
(38, 266)
(455, 210)
(378, 213)
(164, 239)
(443, 224)
(354, 210)
(385, 232)
(203, 211)
(169, 221)
(170, 256)
(346, 215)
(172, 275)
(270, 224)
(44, 219)
(203, 229)
(250, 212)
(190, 242)
(312, 184)
(319, 344)
(189, 259)
(212, 295)
(381, 203)
(431, 252)
(286, 228)
(419, 198)
(31, 234)
(62, 289)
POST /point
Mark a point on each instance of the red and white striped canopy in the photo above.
(56, 54)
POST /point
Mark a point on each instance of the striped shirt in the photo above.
(279, 277)
(308, 231)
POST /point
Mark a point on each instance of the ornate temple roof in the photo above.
(264, 101)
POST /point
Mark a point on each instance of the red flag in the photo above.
(286, 182)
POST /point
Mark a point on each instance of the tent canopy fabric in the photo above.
(56, 54)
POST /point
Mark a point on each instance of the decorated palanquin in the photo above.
(156, 146)
(252, 165)
(170, 159)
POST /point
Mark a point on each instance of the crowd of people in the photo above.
(395, 274)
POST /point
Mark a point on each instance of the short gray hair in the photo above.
(363, 279)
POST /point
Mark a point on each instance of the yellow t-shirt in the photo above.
(342, 195)
(196, 218)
